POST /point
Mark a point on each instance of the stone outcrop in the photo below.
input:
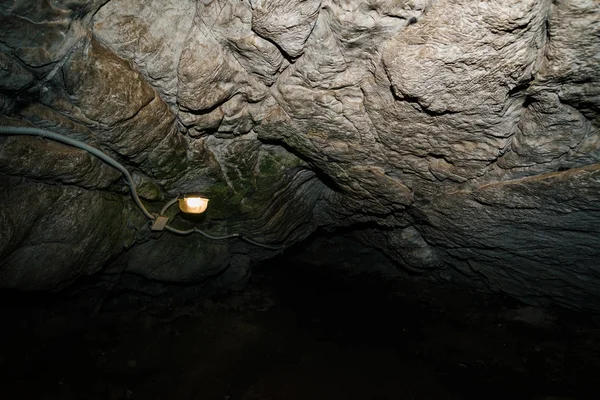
(459, 138)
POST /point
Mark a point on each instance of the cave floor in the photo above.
(302, 333)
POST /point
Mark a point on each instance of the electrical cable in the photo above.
(31, 131)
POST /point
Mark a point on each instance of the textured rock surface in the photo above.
(52, 234)
(547, 226)
(459, 138)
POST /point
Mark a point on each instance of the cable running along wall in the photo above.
(31, 131)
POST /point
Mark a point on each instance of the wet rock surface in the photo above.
(299, 332)
(459, 138)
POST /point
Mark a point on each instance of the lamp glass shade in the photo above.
(193, 204)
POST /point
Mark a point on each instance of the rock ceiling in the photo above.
(461, 138)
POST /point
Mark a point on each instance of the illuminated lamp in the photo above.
(192, 203)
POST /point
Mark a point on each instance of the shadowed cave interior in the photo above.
(317, 199)
(298, 330)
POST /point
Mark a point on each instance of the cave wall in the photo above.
(459, 138)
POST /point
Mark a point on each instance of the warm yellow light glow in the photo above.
(193, 204)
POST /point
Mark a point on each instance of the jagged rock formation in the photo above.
(460, 138)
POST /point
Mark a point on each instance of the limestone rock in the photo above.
(288, 24)
(534, 236)
(172, 260)
(39, 34)
(459, 138)
(572, 56)
(13, 75)
(150, 35)
(45, 160)
(132, 119)
(52, 235)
